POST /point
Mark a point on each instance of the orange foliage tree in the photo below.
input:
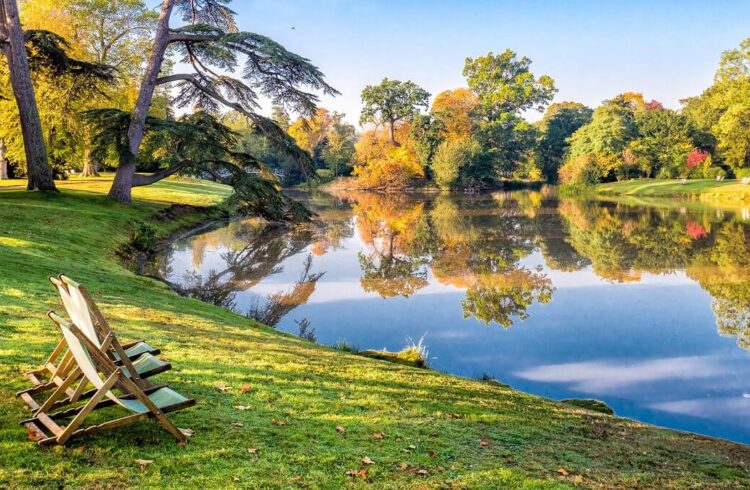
(381, 165)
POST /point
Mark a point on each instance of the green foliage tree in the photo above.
(392, 101)
(208, 43)
(13, 46)
(601, 142)
(506, 87)
(663, 143)
(560, 121)
(60, 85)
(721, 114)
(455, 162)
(339, 150)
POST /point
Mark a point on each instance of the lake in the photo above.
(643, 305)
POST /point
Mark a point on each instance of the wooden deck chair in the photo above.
(47, 427)
(83, 311)
(77, 302)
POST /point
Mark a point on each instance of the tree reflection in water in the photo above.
(712, 248)
(488, 246)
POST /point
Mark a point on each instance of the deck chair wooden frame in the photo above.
(59, 361)
(98, 327)
(91, 360)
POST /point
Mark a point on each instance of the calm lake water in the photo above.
(645, 306)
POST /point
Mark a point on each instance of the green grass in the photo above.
(438, 431)
(728, 191)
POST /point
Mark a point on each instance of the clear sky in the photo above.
(593, 49)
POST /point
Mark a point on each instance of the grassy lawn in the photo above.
(730, 191)
(269, 404)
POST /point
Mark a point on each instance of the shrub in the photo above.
(741, 173)
(451, 160)
(713, 172)
(144, 237)
(583, 169)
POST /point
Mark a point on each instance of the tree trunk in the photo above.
(393, 135)
(3, 162)
(90, 166)
(123, 183)
(14, 48)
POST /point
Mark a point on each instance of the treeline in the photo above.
(476, 137)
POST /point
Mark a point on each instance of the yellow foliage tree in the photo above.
(453, 109)
(310, 133)
(382, 165)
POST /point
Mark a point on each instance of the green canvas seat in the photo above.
(163, 398)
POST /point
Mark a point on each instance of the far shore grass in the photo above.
(275, 411)
(731, 192)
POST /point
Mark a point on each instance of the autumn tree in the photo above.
(310, 133)
(208, 44)
(454, 110)
(391, 102)
(380, 165)
(505, 88)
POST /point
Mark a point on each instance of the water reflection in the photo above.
(619, 301)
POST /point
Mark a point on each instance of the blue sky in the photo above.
(593, 49)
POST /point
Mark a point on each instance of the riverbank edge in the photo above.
(727, 193)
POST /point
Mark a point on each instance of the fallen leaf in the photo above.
(431, 454)
(279, 422)
(403, 466)
(433, 434)
(562, 471)
(361, 473)
(412, 446)
(222, 387)
(422, 472)
(34, 433)
(143, 463)
(245, 388)
(340, 429)
(235, 478)
(238, 424)
(367, 460)
(252, 450)
(187, 432)
(379, 435)
(484, 442)
(243, 407)
(453, 415)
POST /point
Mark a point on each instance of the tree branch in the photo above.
(141, 180)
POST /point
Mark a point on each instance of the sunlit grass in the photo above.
(703, 189)
(421, 428)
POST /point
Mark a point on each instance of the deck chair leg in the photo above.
(79, 390)
(60, 392)
(78, 419)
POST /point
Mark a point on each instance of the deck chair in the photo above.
(47, 427)
(138, 360)
(86, 320)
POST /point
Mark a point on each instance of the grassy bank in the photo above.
(728, 191)
(275, 411)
